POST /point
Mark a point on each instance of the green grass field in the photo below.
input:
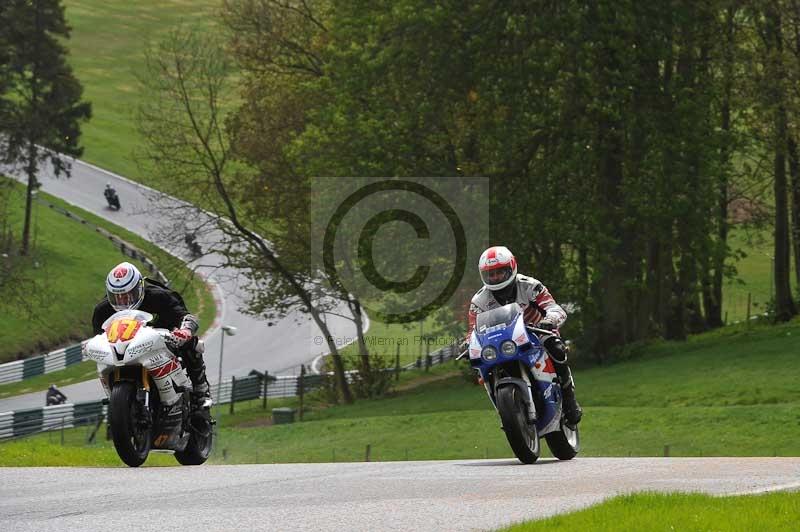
(731, 394)
(754, 274)
(107, 47)
(73, 261)
(675, 511)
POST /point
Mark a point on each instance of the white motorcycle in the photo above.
(149, 392)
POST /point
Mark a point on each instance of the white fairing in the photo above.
(520, 335)
(147, 348)
(474, 346)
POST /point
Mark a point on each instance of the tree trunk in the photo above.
(712, 292)
(784, 305)
(363, 352)
(31, 168)
(794, 173)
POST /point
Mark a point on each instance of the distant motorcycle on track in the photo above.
(112, 198)
(522, 384)
(148, 391)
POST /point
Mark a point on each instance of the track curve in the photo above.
(285, 344)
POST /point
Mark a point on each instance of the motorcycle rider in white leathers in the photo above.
(503, 285)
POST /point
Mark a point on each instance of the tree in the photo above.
(189, 147)
(770, 25)
(40, 113)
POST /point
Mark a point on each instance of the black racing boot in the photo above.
(196, 368)
(572, 410)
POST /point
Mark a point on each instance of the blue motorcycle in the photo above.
(522, 384)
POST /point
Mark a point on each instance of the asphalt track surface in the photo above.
(282, 347)
(441, 495)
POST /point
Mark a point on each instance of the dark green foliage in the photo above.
(616, 134)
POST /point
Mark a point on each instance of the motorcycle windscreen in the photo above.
(136, 315)
(497, 318)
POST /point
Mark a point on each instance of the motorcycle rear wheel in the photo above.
(565, 443)
(131, 441)
(197, 450)
(522, 437)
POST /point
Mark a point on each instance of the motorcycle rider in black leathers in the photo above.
(127, 289)
(54, 396)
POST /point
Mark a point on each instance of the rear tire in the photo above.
(197, 450)
(565, 443)
(522, 437)
(131, 441)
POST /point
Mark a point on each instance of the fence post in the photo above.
(748, 309)
(369, 449)
(62, 430)
(427, 356)
(397, 364)
(233, 393)
(266, 380)
(301, 388)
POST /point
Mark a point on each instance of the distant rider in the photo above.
(54, 396)
(503, 285)
(109, 192)
(127, 289)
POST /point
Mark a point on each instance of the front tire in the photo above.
(522, 437)
(131, 439)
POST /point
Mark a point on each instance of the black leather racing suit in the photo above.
(169, 312)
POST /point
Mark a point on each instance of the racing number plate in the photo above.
(123, 330)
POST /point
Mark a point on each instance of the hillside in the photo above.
(69, 265)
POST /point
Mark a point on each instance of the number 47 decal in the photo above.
(122, 330)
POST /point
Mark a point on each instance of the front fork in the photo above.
(488, 385)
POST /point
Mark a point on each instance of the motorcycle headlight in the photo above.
(508, 348)
(489, 353)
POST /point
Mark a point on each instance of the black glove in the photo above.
(546, 325)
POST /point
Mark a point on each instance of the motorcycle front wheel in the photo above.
(131, 439)
(522, 437)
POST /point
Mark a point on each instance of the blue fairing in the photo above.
(547, 394)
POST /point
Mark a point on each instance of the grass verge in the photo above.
(677, 511)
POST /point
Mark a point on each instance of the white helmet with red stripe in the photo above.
(125, 287)
(498, 267)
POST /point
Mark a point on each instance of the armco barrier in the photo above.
(27, 421)
(6, 425)
(31, 367)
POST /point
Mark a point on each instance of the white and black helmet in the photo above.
(125, 287)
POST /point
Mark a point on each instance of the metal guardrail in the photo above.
(31, 367)
(21, 423)
(30, 421)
